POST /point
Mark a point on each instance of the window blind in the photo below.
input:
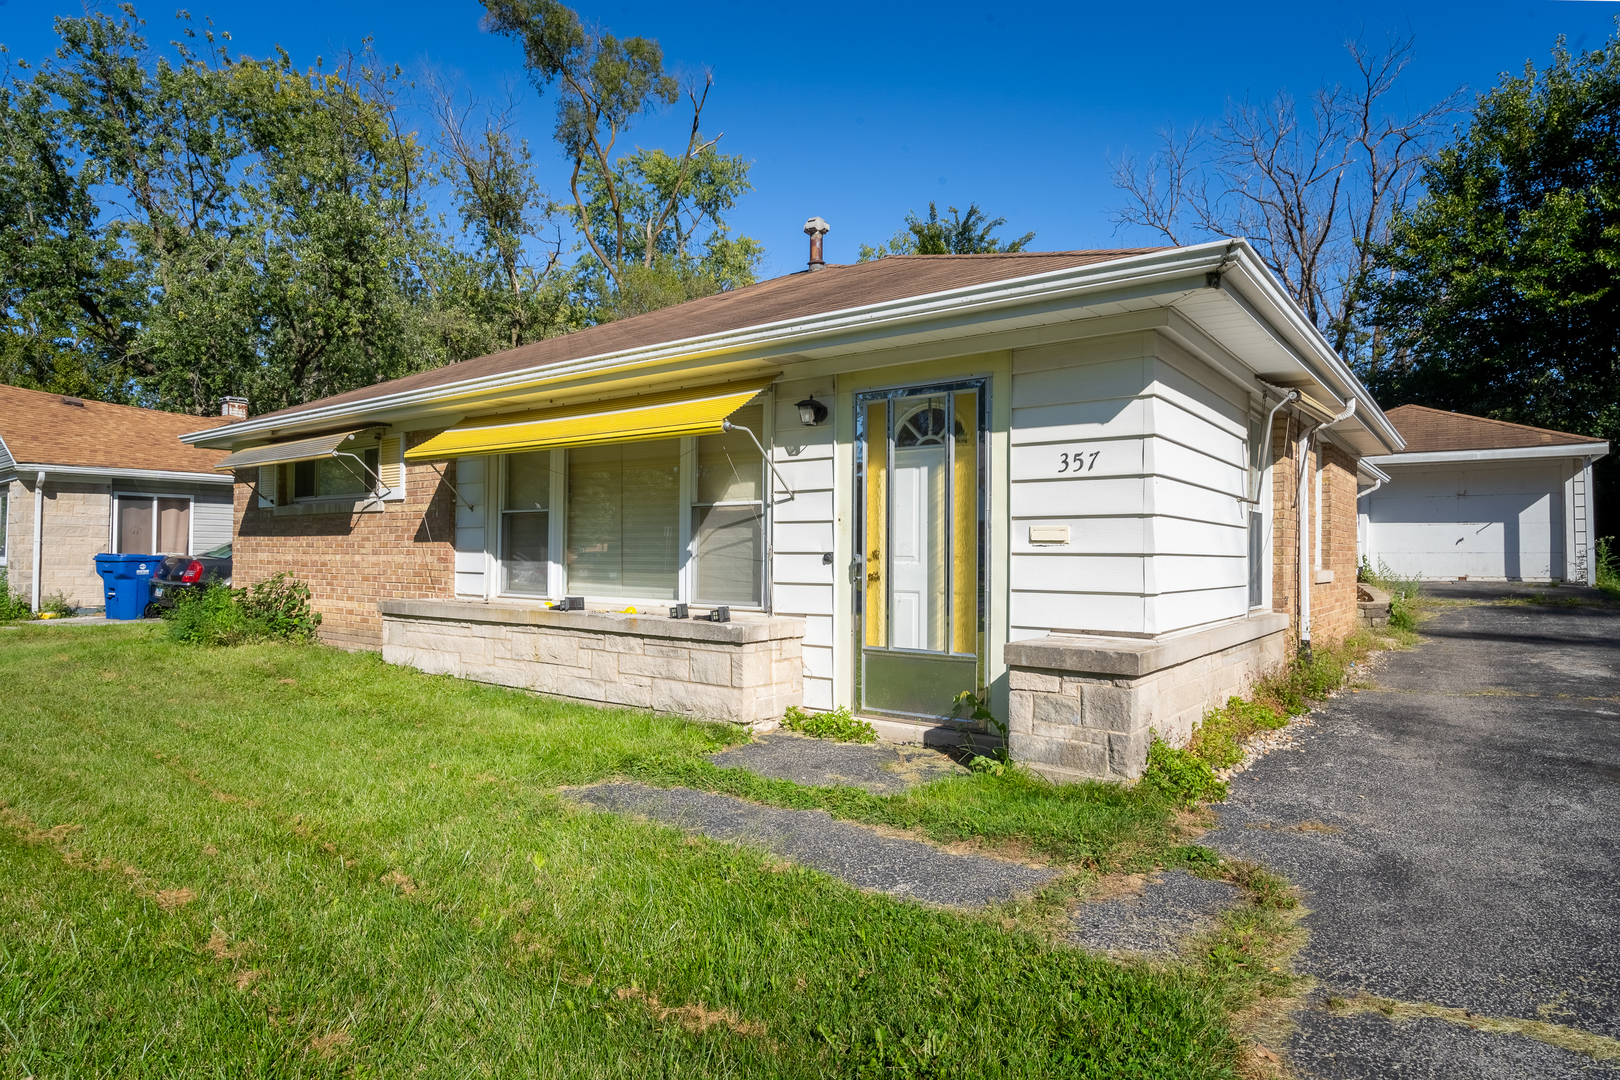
(624, 505)
(728, 515)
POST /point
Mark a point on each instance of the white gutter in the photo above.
(131, 474)
(1378, 476)
(1056, 284)
(39, 531)
(1287, 313)
(1514, 453)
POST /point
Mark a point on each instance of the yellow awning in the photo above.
(668, 415)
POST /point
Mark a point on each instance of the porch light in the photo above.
(811, 412)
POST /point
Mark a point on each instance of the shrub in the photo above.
(58, 604)
(274, 609)
(13, 606)
(840, 725)
(1180, 776)
(280, 605)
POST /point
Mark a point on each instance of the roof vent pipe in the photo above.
(816, 228)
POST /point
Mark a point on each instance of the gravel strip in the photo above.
(880, 768)
(1171, 906)
(865, 859)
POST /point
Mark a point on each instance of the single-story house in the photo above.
(1483, 500)
(80, 477)
(1072, 483)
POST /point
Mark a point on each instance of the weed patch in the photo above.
(839, 725)
(1187, 775)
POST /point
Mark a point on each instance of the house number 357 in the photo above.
(1080, 462)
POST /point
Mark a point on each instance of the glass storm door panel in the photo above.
(920, 466)
(135, 525)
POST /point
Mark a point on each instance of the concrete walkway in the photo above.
(1465, 847)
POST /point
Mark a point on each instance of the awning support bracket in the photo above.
(446, 481)
(383, 490)
(727, 425)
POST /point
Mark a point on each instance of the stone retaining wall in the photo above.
(747, 671)
(1087, 707)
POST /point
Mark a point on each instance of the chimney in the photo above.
(816, 229)
(233, 407)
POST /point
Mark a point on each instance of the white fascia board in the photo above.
(128, 474)
(785, 335)
(1258, 293)
(1593, 450)
(1366, 468)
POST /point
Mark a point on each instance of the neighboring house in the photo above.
(79, 477)
(1064, 481)
(1483, 500)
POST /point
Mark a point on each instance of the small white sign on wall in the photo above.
(1049, 534)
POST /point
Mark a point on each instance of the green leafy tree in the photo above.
(652, 220)
(1497, 291)
(971, 233)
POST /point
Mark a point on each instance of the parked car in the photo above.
(179, 573)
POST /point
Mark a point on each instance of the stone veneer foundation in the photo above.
(1087, 707)
(747, 671)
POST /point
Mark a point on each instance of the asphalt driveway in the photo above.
(1462, 846)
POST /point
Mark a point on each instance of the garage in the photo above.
(1471, 498)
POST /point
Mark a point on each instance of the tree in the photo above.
(641, 213)
(1497, 290)
(500, 289)
(1315, 194)
(964, 234)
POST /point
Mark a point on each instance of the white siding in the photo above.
(1157, 525)
(1477, 520)
(801, 584)
(471, 560)
(212, 517)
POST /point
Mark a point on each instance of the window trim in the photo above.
(191, 520)
(686, 570)
(370, 495)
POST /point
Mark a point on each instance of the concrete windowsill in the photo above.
(1134, 657)
(744, 627)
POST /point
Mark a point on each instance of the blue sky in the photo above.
(859, 112)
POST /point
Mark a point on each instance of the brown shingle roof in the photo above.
(42, 429)
(1431, 430)
(792, 296)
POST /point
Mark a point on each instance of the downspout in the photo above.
(1265, 444)
(1302, 498)
(39, 532)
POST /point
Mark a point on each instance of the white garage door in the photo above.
(1448, 522)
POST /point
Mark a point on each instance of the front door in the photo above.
(920, 481)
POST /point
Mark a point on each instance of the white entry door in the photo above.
(918, 549)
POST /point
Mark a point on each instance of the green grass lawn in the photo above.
(293, 860)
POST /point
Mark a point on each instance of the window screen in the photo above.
(526, 523)
(173, 527)
(334, 477)
(624, 507)
(728, 515)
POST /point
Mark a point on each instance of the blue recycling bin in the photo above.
(127, 581)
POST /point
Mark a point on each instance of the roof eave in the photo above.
(786, 335)
(1595, 449)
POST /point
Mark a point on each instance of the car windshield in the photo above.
(221, 552)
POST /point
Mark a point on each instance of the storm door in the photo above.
(920, 597)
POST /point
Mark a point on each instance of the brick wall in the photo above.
(1333, 603)
(352, 560)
